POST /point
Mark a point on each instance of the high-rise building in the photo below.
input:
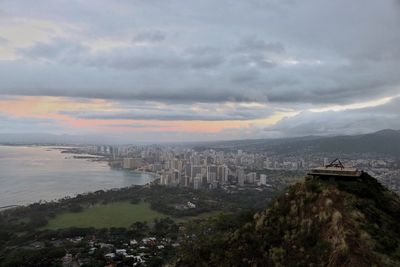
(188, 170)
(176, 177)
(241, 176)
(165, 179)
(196, 170)
(251, 177)
(175, 164)
(197, 180)
(211, 173)
(132, 163)
(222, 174)
(156, 167)
(219, 159)
(196, 159)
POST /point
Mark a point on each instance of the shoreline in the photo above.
(153, 177)
(58, 200)
(148, 172)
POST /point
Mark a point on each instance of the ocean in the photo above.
(32, 173)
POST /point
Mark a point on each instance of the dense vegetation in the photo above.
(315, 223)
(25, 239)
(46, 248)
(162, 199)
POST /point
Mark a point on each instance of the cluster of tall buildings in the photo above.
(207, 170)
(187, 173)
(132, 163)
(182, 166)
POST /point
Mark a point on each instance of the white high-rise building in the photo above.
(263, 179)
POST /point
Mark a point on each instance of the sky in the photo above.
(170, 70)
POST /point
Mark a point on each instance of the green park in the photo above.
(116, 214)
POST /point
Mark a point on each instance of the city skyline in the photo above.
(199, 70)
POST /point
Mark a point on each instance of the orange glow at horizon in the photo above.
(52, 108)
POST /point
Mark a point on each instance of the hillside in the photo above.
(314, 223)
(385, 142)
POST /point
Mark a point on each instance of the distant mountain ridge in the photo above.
(385, 142)
(382, 142)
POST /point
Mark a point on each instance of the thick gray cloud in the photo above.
(124, 58)
(133, 59)
(266, 51)
(291, 54)
(3, 41)
(59, 50)
(253, 44)
(173, 112)
(153, 36)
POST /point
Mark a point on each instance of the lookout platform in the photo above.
(335, 169)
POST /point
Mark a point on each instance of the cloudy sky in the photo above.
(170, 70)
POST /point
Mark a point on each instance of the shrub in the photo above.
(75, 208)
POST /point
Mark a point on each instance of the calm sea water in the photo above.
(30, 174)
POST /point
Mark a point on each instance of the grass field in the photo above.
(204, 215)
(118, 214)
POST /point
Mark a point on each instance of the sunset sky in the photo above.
(170, 70)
